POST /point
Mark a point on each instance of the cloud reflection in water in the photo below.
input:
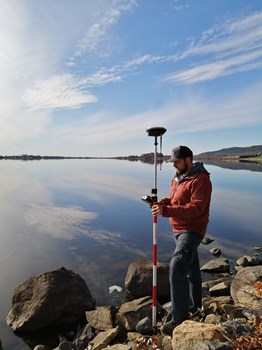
(60, 222)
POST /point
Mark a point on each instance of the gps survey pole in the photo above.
(155, 132)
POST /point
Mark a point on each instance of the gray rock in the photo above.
(256, 261)
(103, 339)
(220, 289)
(53, 298)
(66, 345)
(132, 312)
(144, 326)
(207, 240)
(209, 284)
(239, 326)
(215, 251)
(247, 260)
(257, 249)
(242, 261)
(138, 280)
(216, 265)
(83, 337)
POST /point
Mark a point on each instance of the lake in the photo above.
(88, 216)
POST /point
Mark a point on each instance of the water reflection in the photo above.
(87, 215)
(60, 222)
(237, 165)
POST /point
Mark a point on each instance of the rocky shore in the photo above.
(56, 310)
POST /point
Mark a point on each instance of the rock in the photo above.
(257, 249)
(166, 343)
(102, 318)
(39, 347)
(51, 299)
(214, 319)
(138, 280)
(1, 345)
(243, 287)
(209, 284)
(220, 289)
(66, 345)
(83, 337)
(213, 304)
(197, 335)
(216, 252)
(103, 339)
(247, 260)
(243, 261)
(119, 347)
(207, 240)
(239, 326)
(233, 311)
(144, 326)
(256, 261)
(216, 265)
(132, 312)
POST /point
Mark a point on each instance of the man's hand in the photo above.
(157, 209)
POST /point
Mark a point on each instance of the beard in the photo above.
(183, 170)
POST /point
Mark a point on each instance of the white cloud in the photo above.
(102, 22)
(64, 91)
(217, 69)
(227, 49)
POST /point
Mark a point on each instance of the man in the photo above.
(188, 212)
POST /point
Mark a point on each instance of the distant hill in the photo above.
(233, 152)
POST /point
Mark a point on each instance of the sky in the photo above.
(89, 77)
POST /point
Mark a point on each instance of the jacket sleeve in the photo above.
(165, 201)
(199, 200)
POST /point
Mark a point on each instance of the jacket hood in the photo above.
(197, 168)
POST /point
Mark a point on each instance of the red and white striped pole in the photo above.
(155, 132)
(154, 260)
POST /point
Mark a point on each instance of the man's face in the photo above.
(182, 166)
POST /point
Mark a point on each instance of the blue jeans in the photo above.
(185, 276)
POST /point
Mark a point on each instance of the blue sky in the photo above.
(88, 77)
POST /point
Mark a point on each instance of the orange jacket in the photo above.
(189, 202)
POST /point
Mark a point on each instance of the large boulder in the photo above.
(51, 299)
(198, 335)
(246, 288)
(138, 280)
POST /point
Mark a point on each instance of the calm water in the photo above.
(87, 216)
